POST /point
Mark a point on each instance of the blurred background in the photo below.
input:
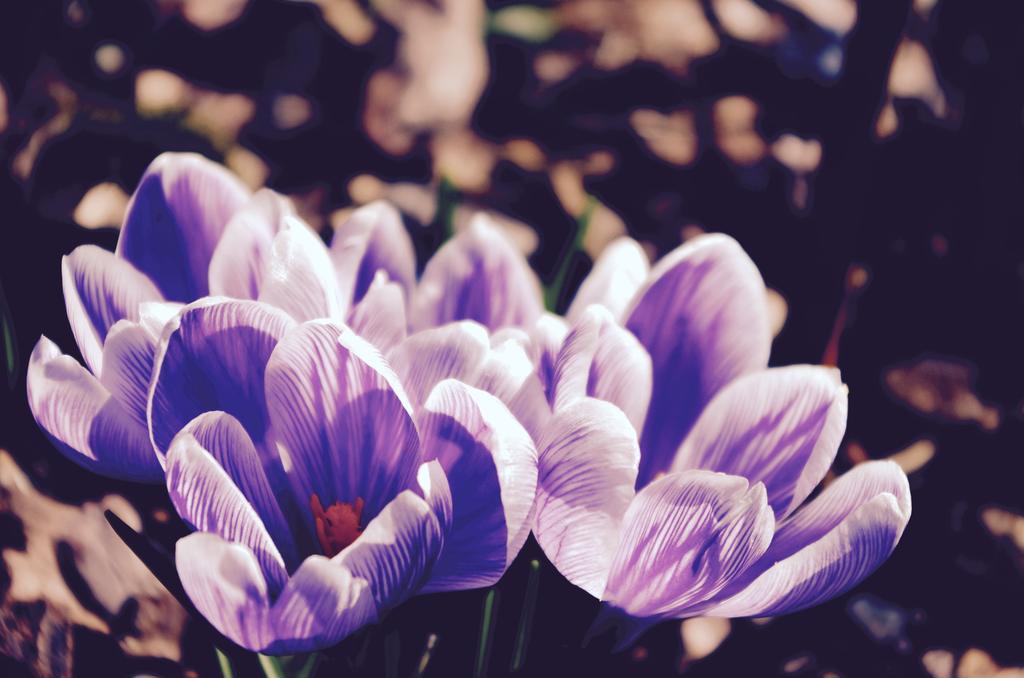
(868, 156)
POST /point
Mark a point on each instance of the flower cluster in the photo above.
(342, 435)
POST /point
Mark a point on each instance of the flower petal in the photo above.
(780, 426)
(128, 355)
(491, 466)
(587, 470)
(322, 604)
(702, 318)
(342, 419)
(426, 358)
(478, 275)
(602, 360)
(212, 357)
(396, 551)
(433, 487)
(857, 486)
(546, 339)
(240, 259)
(618, 273)
(226, 441)
(99, 290)
(380, 316)
(827, 567)
(206, 498)
(227, 586)
(300, 278)
(463, 351)
(174, 220)
(685, 536)
(83, 420)
(372, 239)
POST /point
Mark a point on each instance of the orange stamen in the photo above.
(338, 525)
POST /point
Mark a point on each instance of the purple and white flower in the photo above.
(320, 497)
(675, 466)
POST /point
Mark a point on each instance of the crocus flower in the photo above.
(167, 253)
(320, 496)
(192, 229)
(676, 467)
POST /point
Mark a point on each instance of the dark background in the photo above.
(933, 213)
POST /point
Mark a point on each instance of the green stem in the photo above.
(483, 653)
(553, 292)
(526, 617)
(7, 339)
(447, 201)
(225, 664)
(271, 667)
(428, 650)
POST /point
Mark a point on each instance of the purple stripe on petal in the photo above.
(702, 318)
(491, 466)
(128, 355)
(207, 498)
(380, 316)
(240, 259)
(212, 357)
(342, 419)
(685, 536)
(226, 585)
(827, 567)
(602, 360)
(99, 290)
(373, 239)
(321, 605)
(586, 473)
(617, 274)
(225, 439)
(84, 421)
(300, 278)
(174, 220)
(546, 341)
(396, 551)
(780, 426)
(855, 487)
(478, 275)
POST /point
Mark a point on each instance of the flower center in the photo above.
(338, 525)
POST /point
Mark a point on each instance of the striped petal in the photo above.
(239, 262)
(207, 498)
(174, 220)
(373, 239)
(602, 360)
(827, 546)
(343, 422)
(212, 357)
(380, 316)
(491, 466)
(587, 470)
(478, 275)
(618, 273)
(685, 536)
(780, 426)
(300, 278)
(702, 318)
(84, 421)
(99, 290)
